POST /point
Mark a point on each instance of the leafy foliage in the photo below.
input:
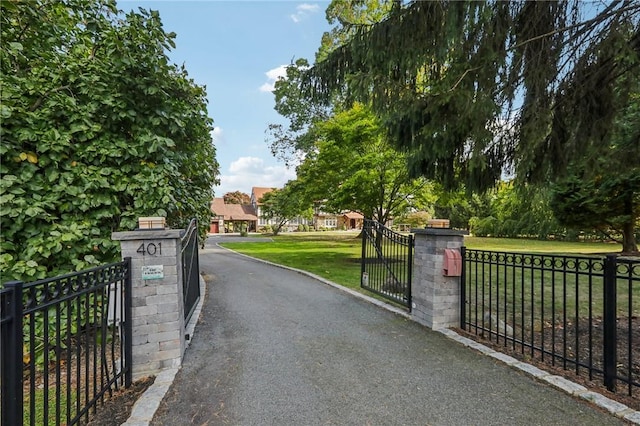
(470, 88)
(290, 143)
(510, 211)
(603, 190)
(98, 128)
(236, 197)
(353, 167)
(282, 205)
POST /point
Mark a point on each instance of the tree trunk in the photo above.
(629, 244)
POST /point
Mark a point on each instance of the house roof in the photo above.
(258, 192)
(233, 211)
(353, 215)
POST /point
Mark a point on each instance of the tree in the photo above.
(606, 204)
(515, 211)
(292, 142)
(98, 128)
(236, 197)
(282, 205)
(348, 16)
(470, 89)
(353, 167)
(603, 190)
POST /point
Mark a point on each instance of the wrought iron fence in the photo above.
(575, 312)
(66, 343)
(386, 263)
(190, 269)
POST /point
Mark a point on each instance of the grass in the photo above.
(334, 256)
(39, 406)
(539, 246)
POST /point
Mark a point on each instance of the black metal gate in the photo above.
(387, 257)
(190, 269)
(65, 345)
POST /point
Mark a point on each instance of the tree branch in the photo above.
(41, 99)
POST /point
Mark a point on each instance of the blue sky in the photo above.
(237, 49)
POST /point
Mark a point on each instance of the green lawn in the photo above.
(336, 255)
(539, 246)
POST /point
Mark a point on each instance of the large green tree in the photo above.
(471, 88)
(353, 167)
(602, 190)
(282, 205)
(98, 128)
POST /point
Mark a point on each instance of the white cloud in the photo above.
(273, 75)
(217, 135)
(247, 172)
(303, 10)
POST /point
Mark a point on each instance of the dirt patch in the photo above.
(117, 409)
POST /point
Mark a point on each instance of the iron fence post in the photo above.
(610, 326)
(410, 272)
(128, 324)
(463, 289)
(12, 396)
(366, 225)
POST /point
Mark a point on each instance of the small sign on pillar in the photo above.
(153, 272)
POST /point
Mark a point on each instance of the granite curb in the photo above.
(146, 406)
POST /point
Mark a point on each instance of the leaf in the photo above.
(5, 111)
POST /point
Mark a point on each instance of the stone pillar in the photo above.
(435, 297)
(158, 308)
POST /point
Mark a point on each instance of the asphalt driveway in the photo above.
(274, 347)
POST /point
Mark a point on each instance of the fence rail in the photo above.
(76, 334)
(190, 269)
(575, 312)
(387, 258)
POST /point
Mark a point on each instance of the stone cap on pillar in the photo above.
(146, 234)
(444, 232)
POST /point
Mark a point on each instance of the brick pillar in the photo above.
(158, 308)
(435, 297)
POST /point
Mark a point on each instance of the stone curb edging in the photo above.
(144, 409)
(146, 406)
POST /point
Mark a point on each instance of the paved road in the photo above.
(274, 347)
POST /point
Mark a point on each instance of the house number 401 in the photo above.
(151, 249)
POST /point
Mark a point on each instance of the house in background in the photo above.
(342, 221)
(350, 220)
(232, 217)
(256, 196)
(250, 218)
